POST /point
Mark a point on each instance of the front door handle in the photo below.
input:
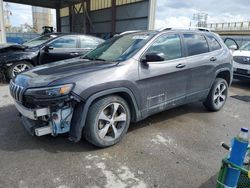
(213, 59)
(74, 53)
(179, 66)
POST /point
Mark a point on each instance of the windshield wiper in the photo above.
(93, 59)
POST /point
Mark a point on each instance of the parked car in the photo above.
(47, 48)
(241, 63)
(125, 79)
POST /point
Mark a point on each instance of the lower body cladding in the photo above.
(49, 120)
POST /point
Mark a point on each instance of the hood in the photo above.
(12, 47)
(241, 53)
(46, 74)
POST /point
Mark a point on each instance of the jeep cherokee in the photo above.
(125, 79)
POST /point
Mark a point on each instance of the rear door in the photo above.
(201, 61)
(61, 48)
(163, 84)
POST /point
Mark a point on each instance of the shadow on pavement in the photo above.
(170, 114)
(241, 84)
(13, 136)
(210, 183)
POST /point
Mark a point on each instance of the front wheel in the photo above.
(107, 121)
(17, 68)
(217, 96)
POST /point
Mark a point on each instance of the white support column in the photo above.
(151, 14)
(2, 27)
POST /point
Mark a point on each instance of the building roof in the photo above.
(46, 3)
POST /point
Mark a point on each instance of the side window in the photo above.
(169, 45)
(213, 43)
(64, 42)
(196, 44)
(88, 42)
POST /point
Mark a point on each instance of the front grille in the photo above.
(242, 60)
(16, 91)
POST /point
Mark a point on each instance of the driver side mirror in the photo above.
(153, 57)
(233, 47)
(47, 48)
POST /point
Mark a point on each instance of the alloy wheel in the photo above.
(220, 95)
(19, 68)
(111, 122)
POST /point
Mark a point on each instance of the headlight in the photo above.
(50, 92)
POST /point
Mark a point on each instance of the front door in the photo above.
(163, 83)
(61, 48)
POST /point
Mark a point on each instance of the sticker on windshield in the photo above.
(142, 37)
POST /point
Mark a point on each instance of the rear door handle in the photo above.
(213, 59)
(179, 66)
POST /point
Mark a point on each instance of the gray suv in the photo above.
(125, 79)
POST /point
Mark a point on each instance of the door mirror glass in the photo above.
(154, 57)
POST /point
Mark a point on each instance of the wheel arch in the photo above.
(225, 74)
(82, 108)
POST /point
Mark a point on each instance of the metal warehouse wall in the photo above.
(99, 14)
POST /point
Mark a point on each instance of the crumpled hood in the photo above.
(46, 74)
(12, 47)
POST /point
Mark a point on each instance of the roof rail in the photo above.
(186, 28)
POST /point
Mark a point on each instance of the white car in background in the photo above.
(241, 62)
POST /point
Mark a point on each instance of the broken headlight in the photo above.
(50, 92)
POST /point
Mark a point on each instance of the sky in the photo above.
(21, 14)
(179, 13)
(169, 13)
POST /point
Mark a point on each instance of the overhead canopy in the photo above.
(46, 3)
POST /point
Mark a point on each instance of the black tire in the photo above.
(214, 103)
(10, 71)
(92, 130)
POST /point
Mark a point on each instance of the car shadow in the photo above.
(196, 107)
(211, 182)
(14, 137)
(241, 84)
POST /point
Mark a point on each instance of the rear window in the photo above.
(196, 44)
(213, 43)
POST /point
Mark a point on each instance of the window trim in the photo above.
(154, 40)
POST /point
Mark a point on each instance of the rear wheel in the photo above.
(217, 96)
(107, 121)
(17, 68)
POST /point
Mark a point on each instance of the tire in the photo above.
(17, 68)
(103, 127)
(217, 96)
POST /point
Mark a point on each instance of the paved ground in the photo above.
(176, 148)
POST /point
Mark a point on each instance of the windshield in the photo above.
(39, 40)
(120, 48)
(245, 47)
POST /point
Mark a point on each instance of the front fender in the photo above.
(82, 108)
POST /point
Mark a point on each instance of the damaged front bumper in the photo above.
(47, 120)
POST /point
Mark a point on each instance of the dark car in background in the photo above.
(15, 58)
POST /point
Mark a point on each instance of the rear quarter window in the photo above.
(213, 43)
(196, 44)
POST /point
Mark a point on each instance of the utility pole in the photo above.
(151, 19)
(2, 27)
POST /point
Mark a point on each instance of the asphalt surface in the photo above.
(177, 148)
